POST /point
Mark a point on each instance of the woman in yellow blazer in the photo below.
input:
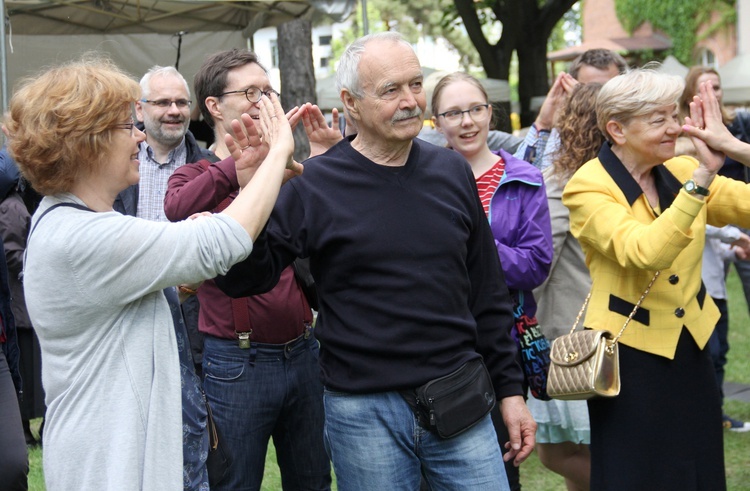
(638, 209)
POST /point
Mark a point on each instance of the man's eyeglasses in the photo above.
(125, 126)
(165, 103)
(252, 93)
(478, 113)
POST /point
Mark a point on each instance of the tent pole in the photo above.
(3, 58)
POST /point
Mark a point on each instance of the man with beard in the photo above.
(164, 112)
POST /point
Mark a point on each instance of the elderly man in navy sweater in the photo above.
(409, 282)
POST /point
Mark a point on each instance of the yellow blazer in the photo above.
(625, 241)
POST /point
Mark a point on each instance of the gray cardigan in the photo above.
(93, 284)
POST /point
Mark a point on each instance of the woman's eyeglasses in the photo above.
(252, 93)
(478, 113)
(126, 126)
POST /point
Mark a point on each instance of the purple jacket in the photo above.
(520, 223)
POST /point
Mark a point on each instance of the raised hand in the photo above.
(561, 88)
(707, 132)
(321, 136)
(277, 133)
(246, 147)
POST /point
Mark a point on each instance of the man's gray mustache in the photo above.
(406, 114)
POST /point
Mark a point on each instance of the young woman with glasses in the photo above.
(512, 192)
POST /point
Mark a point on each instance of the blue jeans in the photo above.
(376, 443)
(262, 392)
(194, 415)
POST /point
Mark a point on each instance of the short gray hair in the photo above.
(636, 93)
(160, 71)
(347, 74)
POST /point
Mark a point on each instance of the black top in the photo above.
(409, 279)
(740, 128)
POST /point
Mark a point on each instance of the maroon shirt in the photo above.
(277, 316)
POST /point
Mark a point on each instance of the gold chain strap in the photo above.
(630, 317)
(578, 317)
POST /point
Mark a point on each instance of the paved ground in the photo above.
(738, 392)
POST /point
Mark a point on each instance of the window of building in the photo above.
(707, 58)
(324, 40)
(324, 61)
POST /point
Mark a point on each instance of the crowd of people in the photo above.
(232, 291)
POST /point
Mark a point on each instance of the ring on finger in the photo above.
(244, 148)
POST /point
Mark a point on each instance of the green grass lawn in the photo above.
(535, 477)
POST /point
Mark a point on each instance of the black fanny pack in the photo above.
(452, 404)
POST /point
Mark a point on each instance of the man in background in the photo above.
(591, 66)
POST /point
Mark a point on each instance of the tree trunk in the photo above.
(294, 40)
(495, 57)
(527, 25)
(532, 70)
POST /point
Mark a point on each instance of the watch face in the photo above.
(690, 186)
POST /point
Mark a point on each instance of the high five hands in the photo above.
(249, 144)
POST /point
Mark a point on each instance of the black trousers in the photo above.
(14, 459)
(664, 429)
(513, 472)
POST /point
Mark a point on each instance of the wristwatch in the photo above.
(692, 188)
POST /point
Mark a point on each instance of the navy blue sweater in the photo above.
(408, 276)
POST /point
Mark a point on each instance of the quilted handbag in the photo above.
(585, 364)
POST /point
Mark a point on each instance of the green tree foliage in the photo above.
(567, 32)
(526, 27)
(679, 19)
(412, 19)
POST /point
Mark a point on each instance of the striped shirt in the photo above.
(488, 182)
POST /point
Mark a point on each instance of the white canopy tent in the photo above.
(672, 66)
(133, 53)
(138, 34)
(735, 80)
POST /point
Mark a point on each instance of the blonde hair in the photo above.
(635, 93)
(449, 79)
(60, 122)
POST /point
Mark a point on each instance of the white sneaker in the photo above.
(735, 425)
